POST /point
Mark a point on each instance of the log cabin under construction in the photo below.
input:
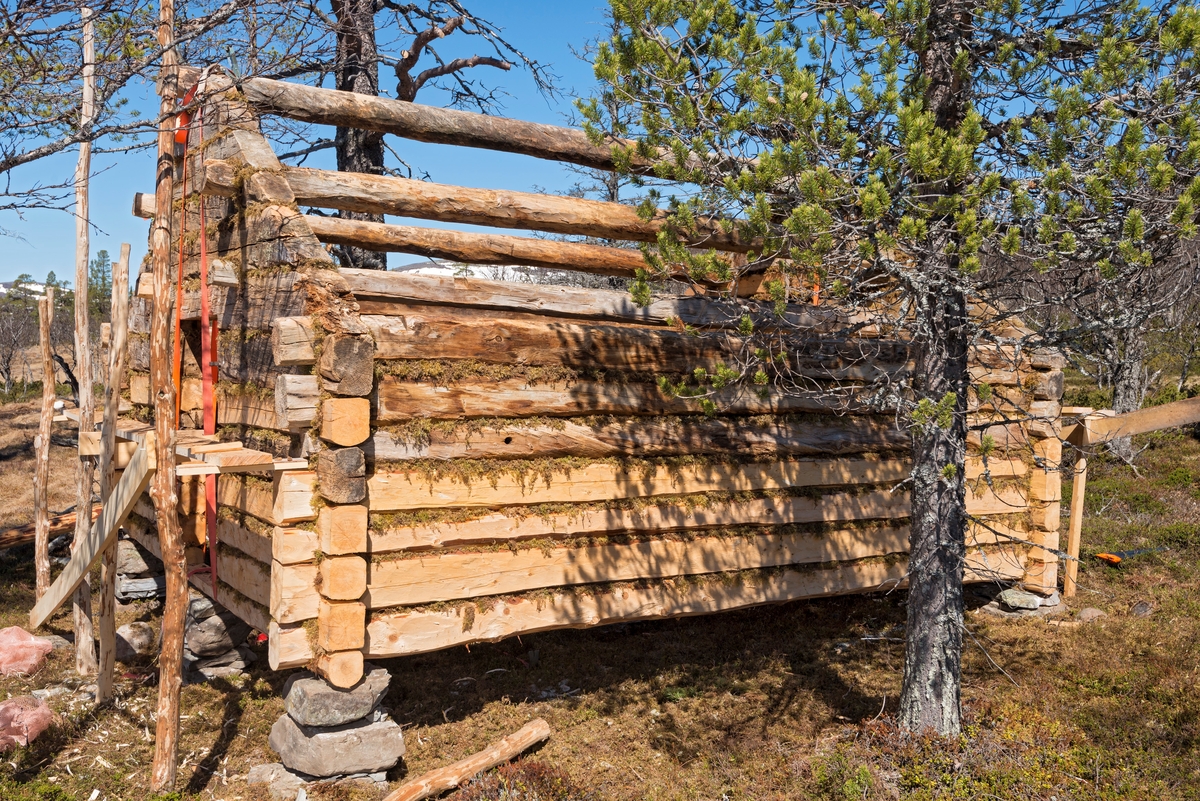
(405, 463)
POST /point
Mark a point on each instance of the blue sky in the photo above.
(545, 29)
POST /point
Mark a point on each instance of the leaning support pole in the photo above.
(1075, 532)
(85, 648)
(41, 447)
(162, 488)
(108, 444)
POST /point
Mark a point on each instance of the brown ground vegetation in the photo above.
(792, 701)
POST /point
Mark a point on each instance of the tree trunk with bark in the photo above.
(933, 649)
(1128, 384)
(356, 69)
(929, 699)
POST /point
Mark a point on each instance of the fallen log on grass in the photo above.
(23, 535)
(441, 780)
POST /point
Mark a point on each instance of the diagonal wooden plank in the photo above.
(104, 530)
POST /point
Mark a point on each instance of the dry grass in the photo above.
(18, 427)
(775, 703)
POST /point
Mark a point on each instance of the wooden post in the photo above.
(85, 646)
(162, 488)
(108, 434)
(41, 447)
(1078, 490)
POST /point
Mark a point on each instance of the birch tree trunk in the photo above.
(85, 646)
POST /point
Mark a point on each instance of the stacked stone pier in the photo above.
(329, 734)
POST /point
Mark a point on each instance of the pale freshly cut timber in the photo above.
(375, 290)
(256, 546)
(436, 782)
(1155, 418)
(439, 125)
(247, 410)
(252, 497)
(291, 546)
(472, 248)
(103, 531)
(341, 625)
(834, 436)
(603, 482)
(346, 421)
(294, 595)
(249, 576)
(449, 576)
(499, 208)
(294, 495)
(343, 578)
(341, 668)
(343, 528)
(398, 400)
(287, 646)
(403, 633)
(667, 517)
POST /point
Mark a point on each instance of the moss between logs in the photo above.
(382, 521)
(547, 545)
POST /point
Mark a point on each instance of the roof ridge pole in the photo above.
(162, 489)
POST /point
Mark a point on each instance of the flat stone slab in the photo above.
(365, 746)
(311, 701)
(1014, 600)
(282, 784)
(215, 634)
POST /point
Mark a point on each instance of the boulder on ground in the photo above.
(215, 634)
(21, 654)
(365, 746)
(1016, 600)
(282, 784)
(22, 719)
(1090, 614)
(311, 701)
(135, 561)
(137, 642)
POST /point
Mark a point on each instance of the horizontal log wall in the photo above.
(472, 442)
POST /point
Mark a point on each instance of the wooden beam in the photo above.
(475, 248)
(374, 289)
(287, 646)
(405, 632)
(294, 595)
(439, 125)
(1142, 421)
(104, 530)
(41, 448)
(405, 197)
(1075, 530)
(118, 334)
(451, 576)
(393, 491)
(398, 400)
(436, 782)
(651, 436)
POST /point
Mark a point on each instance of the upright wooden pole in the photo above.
(162, 488)
(1075, 531)
(41, 447)
(108, 444)
(85, 645)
